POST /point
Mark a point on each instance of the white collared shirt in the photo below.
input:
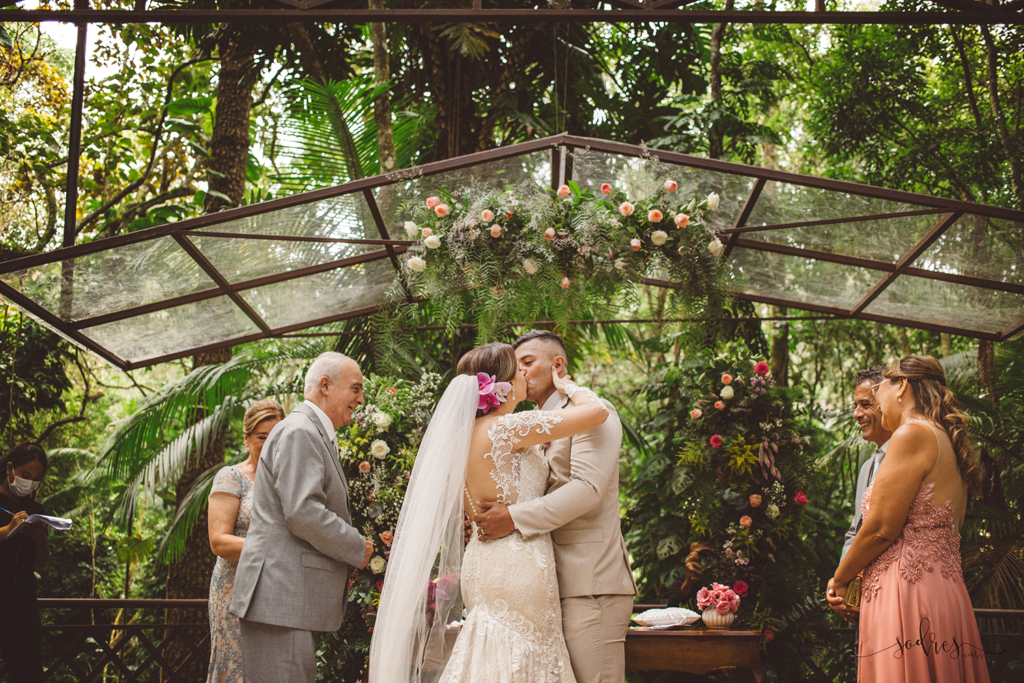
(328, 425)
(554, 401)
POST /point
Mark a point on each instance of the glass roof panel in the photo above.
(346, 216)
(398, 201)
(642, 178)
(883, 240)
(322, 295)
(246, 259)
(789, 203)
(801, 280)
(978, 246)
(112, 280)
(173, 329)
(923, 300)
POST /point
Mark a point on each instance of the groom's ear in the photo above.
(561, 363)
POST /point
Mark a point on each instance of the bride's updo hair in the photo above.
(495, 359)
(928, 381)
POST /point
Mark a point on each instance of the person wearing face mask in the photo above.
(22, 549)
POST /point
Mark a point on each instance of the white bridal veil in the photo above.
(422, 592)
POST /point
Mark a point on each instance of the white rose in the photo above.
(379, 449)
(412, 230)
(529, 267)
(716, 247)
(377, 564)
(432, 242)
(713, 199)
(620, 263)
(382, 420)
(772, 511)
(416, 264)
(658, 237)
(727, 392)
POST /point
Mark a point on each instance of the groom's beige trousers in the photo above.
(595, 634)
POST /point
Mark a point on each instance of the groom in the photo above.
(581, 511)
(293, 573)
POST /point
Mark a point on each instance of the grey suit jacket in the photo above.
(293, 570)
(868, 471)
(581, 511)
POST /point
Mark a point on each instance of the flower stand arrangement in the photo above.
(719, 605)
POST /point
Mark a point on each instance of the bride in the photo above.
(475, 449)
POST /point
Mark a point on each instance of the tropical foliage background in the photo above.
(186, 120)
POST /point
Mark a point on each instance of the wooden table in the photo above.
(694, 651)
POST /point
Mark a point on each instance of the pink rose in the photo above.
(696, 413)
(606, 188)
(565, 283)
(655, 216)
(703, 598)
(634, 244)
(495, 231)
(432, 202)
(487, 216)
(671, 185)
(549, 233)
(762, 368)
(720, 405)
(626, 209)
(682, 220)
(740, 587)
(723, 608)
(563, 192)
(800, 498)
(388, 538)
(716, 441)
(769, 636)
(755, 500)
(726, 379)
(746, 521)
(364, 467)
(441, 210)
(427, 232)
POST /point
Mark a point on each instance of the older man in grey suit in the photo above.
(869, 417)
(581, 511)
(292, 577)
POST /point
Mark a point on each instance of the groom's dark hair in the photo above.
(545, 335)
(872, 375)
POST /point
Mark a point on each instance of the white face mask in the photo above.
(22, 487)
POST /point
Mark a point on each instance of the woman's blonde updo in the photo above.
(259, 411)
(495, 359)
(934, 400)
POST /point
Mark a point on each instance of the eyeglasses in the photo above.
(874, 388)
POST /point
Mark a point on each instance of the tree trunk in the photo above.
(780, 349)
(716, 137)
(229, 143)
(382, 105)
(189, 576)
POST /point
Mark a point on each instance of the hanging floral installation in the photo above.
(521, 252)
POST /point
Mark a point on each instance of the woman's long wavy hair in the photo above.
(495, 359)
(928, 381)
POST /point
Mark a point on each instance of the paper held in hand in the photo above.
(58, 523)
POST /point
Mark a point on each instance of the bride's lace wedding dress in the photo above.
(513, 631)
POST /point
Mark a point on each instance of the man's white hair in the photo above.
(329, 364)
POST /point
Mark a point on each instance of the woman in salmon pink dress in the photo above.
(916, 619)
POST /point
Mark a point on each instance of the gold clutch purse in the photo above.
(852, 597)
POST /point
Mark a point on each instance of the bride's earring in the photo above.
(513, 393)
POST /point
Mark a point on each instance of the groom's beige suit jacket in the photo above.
(581, 510)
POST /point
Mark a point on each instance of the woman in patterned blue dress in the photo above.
(230, 507)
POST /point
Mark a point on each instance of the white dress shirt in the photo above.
(328, 425)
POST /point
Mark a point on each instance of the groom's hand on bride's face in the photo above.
(494, 521)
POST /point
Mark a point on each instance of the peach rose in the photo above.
(364, 467)
(387, 537)
(487, 216)
(671, 185)
(634, 244)
(720, 405)
(606, 188)
(565, 283)
(626, 209)
(495, 231)
(746, 521)
(755, 500)
(563, 192)
(427, 232)
(682, 220)
(432, 202)
(441, 210)
(655, 216)
(549, 233)
(726, 378)
(696, 413)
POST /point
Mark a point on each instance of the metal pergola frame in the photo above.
(946, 211)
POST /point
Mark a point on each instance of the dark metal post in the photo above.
(75, 141)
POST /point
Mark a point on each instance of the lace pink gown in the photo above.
(916, 620)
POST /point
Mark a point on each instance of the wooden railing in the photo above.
(101, 650)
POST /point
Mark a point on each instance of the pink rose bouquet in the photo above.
(722, 598)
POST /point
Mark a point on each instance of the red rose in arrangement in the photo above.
(762, 368)
(740, 588)
(716, 441)
(800, 498)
